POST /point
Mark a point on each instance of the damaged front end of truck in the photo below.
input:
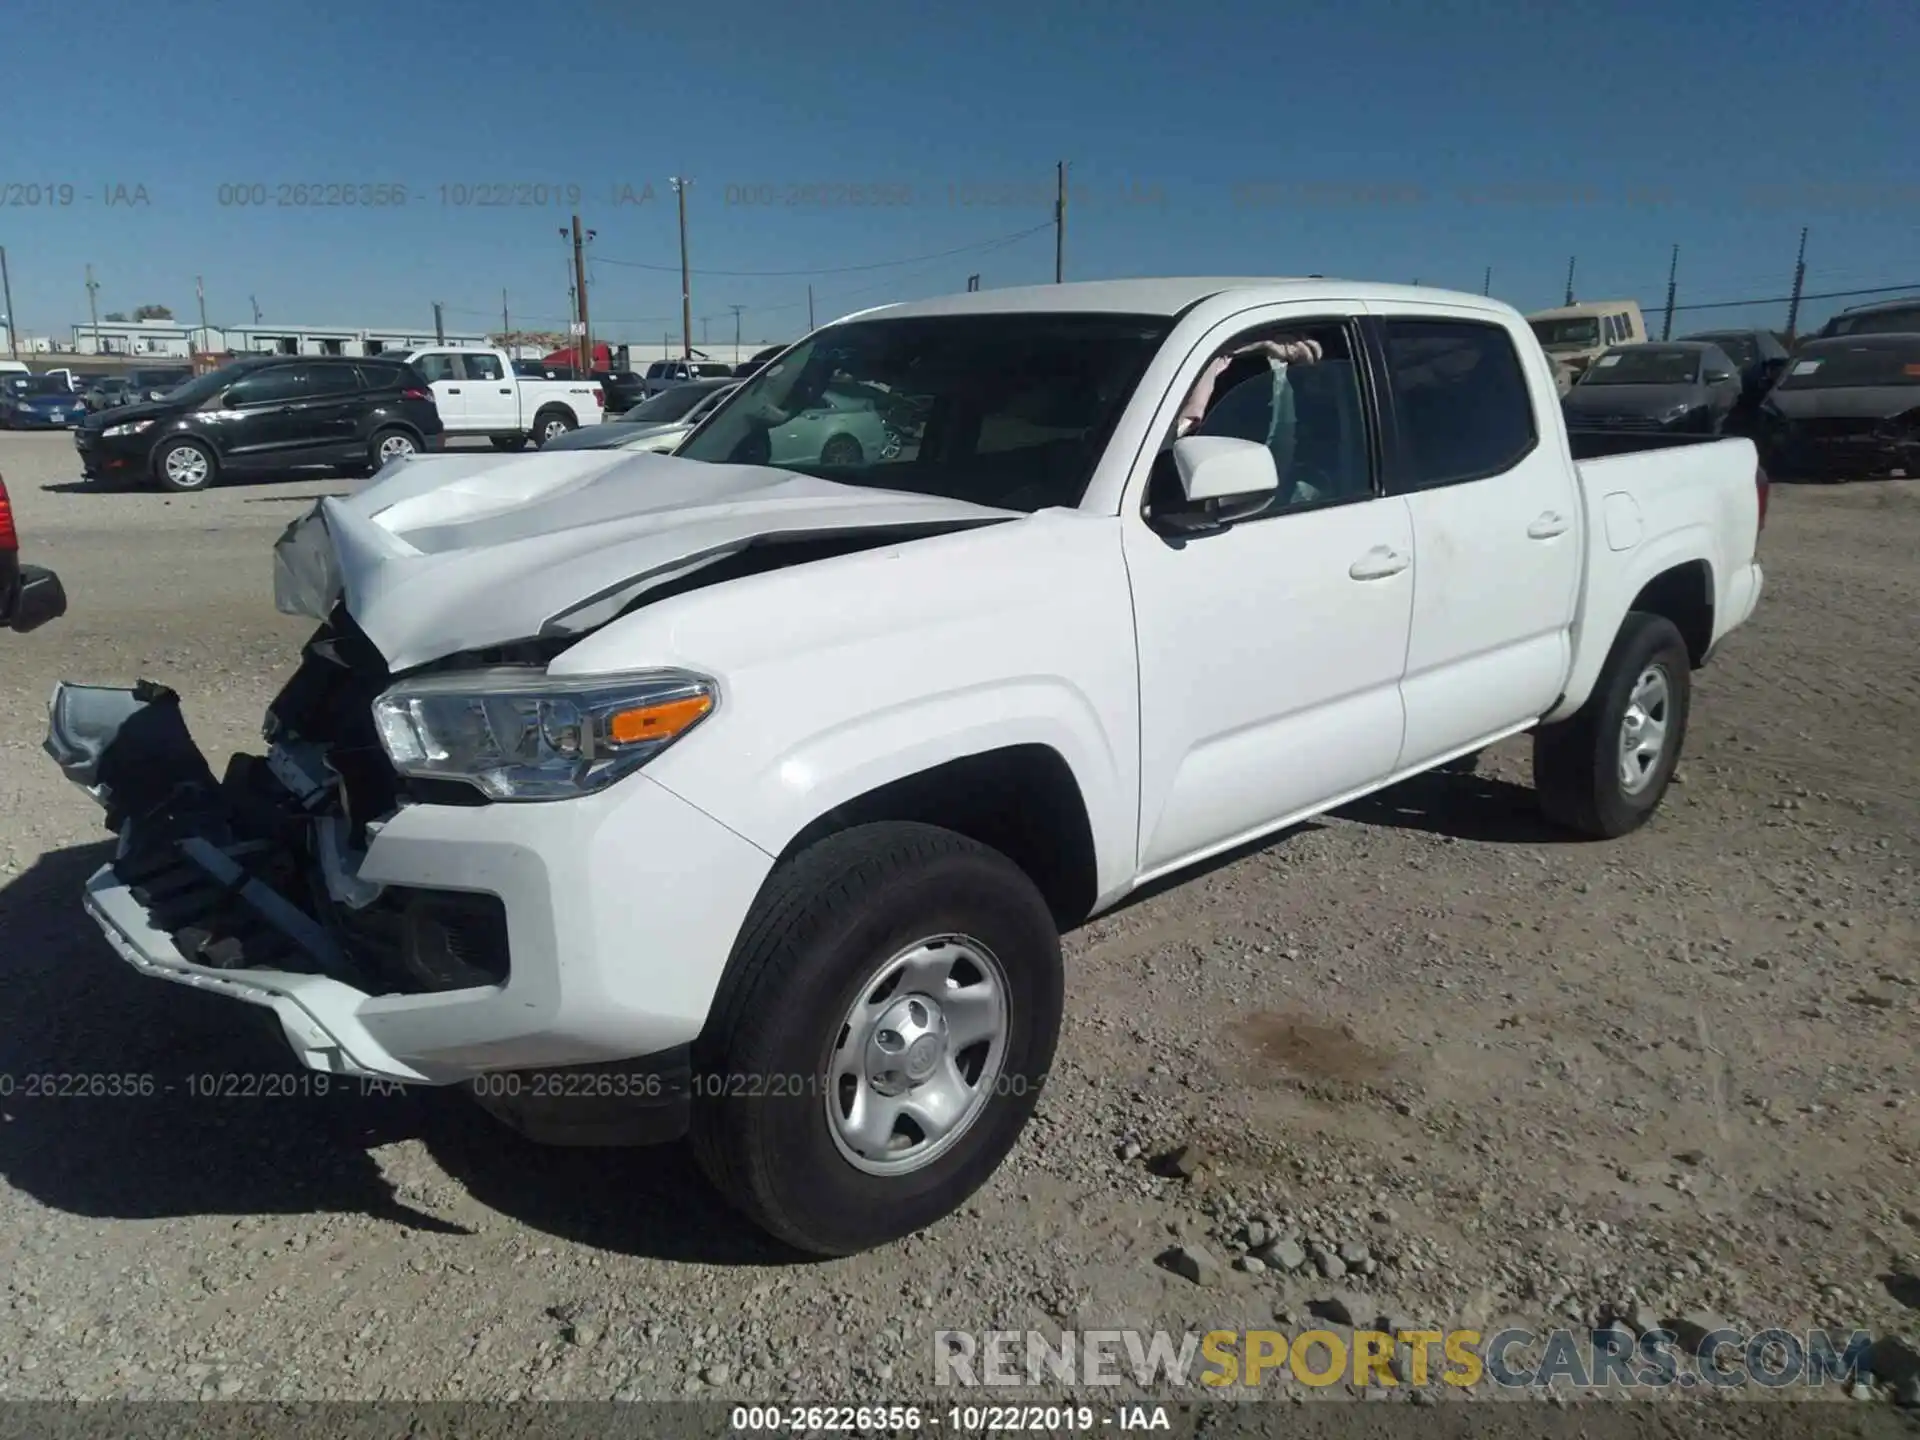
(251, 882)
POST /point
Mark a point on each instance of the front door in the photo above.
(257, 423)
(492, 395)
(1271, 653)
(1497, 530)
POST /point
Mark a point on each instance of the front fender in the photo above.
(770, 802)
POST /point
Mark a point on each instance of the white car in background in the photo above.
(685, 405)
(844, 428)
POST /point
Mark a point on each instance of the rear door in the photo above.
(449, 385)
(1496, 527)
(326, 415)
(492, 396)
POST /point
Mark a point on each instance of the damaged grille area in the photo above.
(254, 871)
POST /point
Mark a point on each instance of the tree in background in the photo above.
(152, 312)
(115, 317)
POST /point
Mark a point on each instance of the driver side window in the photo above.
(1310, 412)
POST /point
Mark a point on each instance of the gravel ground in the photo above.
(1431, 1061)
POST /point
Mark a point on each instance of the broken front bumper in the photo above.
(619, 912)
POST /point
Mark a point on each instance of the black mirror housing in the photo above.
(40, 598)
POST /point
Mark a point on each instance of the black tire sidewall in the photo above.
(847, 445)
(541, 422)
(160, 467)
(1645, 639)
(821, 1201)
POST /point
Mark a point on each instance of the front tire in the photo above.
(842, 450)
(185, 467)
(881, 1037)
(390, 445)
(1603, 771)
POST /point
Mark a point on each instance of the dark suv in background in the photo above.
(266, 416)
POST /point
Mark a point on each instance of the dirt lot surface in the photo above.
(1435, 1062)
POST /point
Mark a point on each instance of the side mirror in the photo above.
(1221, 480)
(39, 599)
(1216, 468)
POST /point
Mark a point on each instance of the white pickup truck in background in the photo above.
(478, 393)
(746, 795)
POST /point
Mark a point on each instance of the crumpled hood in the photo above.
(442, 554)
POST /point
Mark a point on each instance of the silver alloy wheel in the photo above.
(393, 447)
(187, 466)
(918, 1055)
(554, 426)
(1643, 729)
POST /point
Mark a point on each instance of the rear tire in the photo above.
(795, 1074)
(550, 423)
(1603, 771)
(185, 467)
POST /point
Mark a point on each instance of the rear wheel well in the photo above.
(1683, 595)
(1021, 800)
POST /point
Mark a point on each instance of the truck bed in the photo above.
(1597, 444)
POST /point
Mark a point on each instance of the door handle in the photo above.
(505, 391)
(453, 389)
(1378, 563)
(1547, 526)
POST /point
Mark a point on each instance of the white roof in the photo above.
(1165, 296)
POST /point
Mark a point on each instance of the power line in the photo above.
(836, 269)
(1786, 299)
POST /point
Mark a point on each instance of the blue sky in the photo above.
(1372, 139)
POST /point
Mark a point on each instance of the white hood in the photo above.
(447, 553)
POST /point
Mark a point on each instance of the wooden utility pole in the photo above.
(736, 331)
(580, 283)
(1570, 260)
(686, 274)
(1060, 225)
(1673, 279)
(6, 298)
(973, 283)
(1799, 280)
(93, 308)
(200, 293)
(439, 325)
(809, 307)
(506, 324)
(1486, 285)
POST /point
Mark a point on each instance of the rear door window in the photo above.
(1461, 406)
(327, 380)
(481, 367)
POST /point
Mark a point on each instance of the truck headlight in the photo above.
(517, 735)
(132, 428)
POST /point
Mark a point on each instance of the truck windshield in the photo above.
(1567, 334)
(1644, 365)
(1894, 361)
(1009, 410)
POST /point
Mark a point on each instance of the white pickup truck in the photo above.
(647, 795)
(478, 393)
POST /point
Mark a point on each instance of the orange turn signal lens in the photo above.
(656, 722)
